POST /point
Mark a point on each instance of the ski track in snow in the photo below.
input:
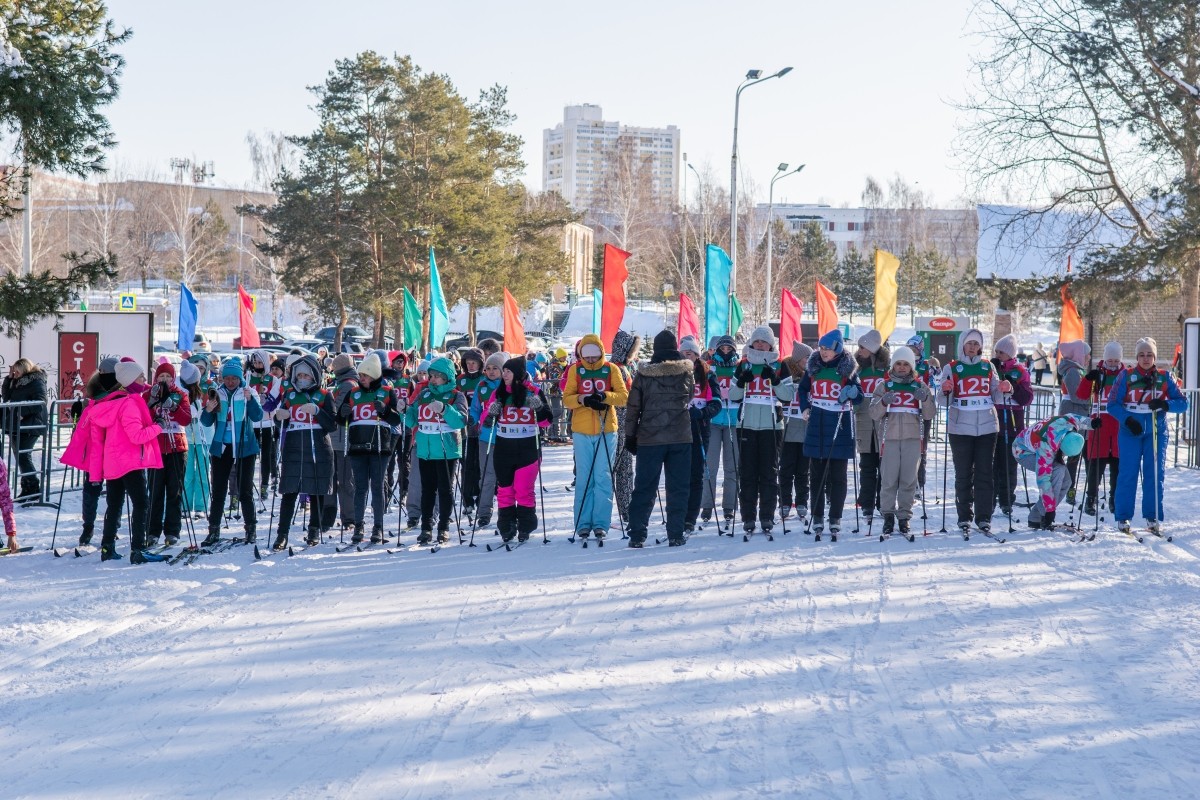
(1038, 668)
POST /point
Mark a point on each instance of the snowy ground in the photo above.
(937, 669)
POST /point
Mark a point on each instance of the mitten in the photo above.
(947, 386)
(310, 409)
(890, 398)
(1096, 423)
(437, 406)
(849, 392)
(631, 445)
(282, 413)
(1093, 375)
(1158, 404)
(1133, 426)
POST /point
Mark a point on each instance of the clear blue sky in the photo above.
(869, 94)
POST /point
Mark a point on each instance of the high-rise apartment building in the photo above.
(584, 156)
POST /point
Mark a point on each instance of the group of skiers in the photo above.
(444, 436)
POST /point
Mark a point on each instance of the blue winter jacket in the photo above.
(475, 412)
(1176, 404)
(820, 440)
(244, 440)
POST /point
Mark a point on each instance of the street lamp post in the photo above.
(752, 77)
(683, 228)
(781, 172)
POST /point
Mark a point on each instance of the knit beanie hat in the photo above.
(279, 363)
(370, 367)
(871, 341)
(916, 343)
(164, 366)
(262, 356)
(801, 352)
(724, 340)
(423, 366)
(1071, 444)
(127, 372)
(904, 354)
(108, 366)
(1005, 347)
(496, 360)
(1077, 351)
(444, 366)
(343, 362)
(762, 334)
(688, 344)
(832, 341)
(189, 373)
(1145, 342)
(1113, 352)
(232, 368)
(665, 342)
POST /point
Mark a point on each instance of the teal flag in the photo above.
(412, 321)
(439, 314)
(717, 267)
(735, 316)
(597, 304)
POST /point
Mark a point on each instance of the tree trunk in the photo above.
(1189, 284)
(341, 303)
(471, 321)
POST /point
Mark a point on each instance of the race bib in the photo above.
(758, 392)
(824, 395)
(516, 423)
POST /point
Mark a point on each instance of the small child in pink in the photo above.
(6, 508)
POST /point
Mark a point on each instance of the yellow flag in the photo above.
(886, 291)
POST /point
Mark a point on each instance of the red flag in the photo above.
(514, 328)
(1070, 329)
(246, 320)
(612, 311)
(689, 323)
(789, 323)
(827, 313)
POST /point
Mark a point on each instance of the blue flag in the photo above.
(597, 304)
(439, 315)
(717, 267)
(187, 319)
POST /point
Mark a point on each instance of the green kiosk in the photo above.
(941, 335)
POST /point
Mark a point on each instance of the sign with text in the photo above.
(78, 357)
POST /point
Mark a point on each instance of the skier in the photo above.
(1137, 398)
(594, 388)
(793, 461)
(722, 437)
(1073, 363)
(1102, 450)
(493, 366)
(171, 408)
(1042, 448)
(873, 358)
(438, 413)
(828, 392)
(101, 384)
(306, 455)
(371, 412)
(659, 433)
(706, 396)
(555, 375)
(758, 429)
(900, 403)
(117, 440)
(231, 410)
(625, 351)
(1011, 411)
(516, 411)
(970, 391)
(195, 476)
(6, 509)
(269, 390)
(927, 371)
(339, 500)
(471, 375)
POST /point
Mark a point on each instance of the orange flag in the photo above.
(246, 327)
(1070, 329)
(827, 313)
(612, 309)
(514, 328)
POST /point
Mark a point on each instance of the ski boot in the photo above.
(108, 552)
(1154, 526)
(426, 536)
(151, 541)
(358, 535)
(801, 512)
(889, 524)
(251, 536)
(676, 541)
(835, 527)
(1089, 507)
(748, 527)
(705, 514)
(905, 529)
(1124, 526)
(145, 557)
(785, 511)
(483, 520)
(600, 534)
(583, 533)
(85, 538)
(443, 536)
(314, 537)
(377, 535)
(637, 540)
(281, 541)
(214, 536)
(172, 540)
(986, 527)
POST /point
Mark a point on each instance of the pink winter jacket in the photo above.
(127, 438)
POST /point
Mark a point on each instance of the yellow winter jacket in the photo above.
(584, 420)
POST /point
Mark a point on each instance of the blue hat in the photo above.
(232, 368)
(917, 343)
(832, 341)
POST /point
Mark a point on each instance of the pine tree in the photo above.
(855, 282)
(24, 299)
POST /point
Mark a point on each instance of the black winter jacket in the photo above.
(657, 411)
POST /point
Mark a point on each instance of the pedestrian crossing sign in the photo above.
(129, 302)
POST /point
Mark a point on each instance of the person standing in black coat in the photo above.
(659, 433)
(706, 402)
(26, 382)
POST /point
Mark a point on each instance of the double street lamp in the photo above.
(781, 172)
(752, 77)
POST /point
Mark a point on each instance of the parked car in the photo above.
(167, 353)
(459, 342)
(201, 344)
(265, 337)
(352, 333)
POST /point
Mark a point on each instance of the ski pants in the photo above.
(414, 501)
(1004, 472)
(1095, 471)
(593, 480)
(1138, 460)
(91, 499)
(697, 477)
(869, 479)
(368, 471)
(342, 494)
(166, 495)
(722, 447)
(268, 441)
(759, 474)
(520, 489)
(132, 485)
(827, 478)
(793, 474)
(1060, 482)
(487, 483)
(470, 472)
(898, 476)
(437, 484)
(651, 462)
(287, 511)
(973, 485)
(225, 468)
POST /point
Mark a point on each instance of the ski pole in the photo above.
(1005, 420)
(612, 477)
(882, 448)
(855, 462)
(946, 465)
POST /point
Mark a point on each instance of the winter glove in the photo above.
(381, 408)
(849, 392)
(76, 410)
(1093, 376)
(698, 403)
(947, 386)
(1005, 387)
(1133, 426)
(156, 394)
(1096, 423)
(1047, 520)
(493, 412)
(282, 413)
(596, 402)
(310, 409)
(345, 410)
(890, 398)
(170, 403)
(1158, 404)
(921, 391)
(436, 406)
(213, 404)
(743, 375)
(631, 445)
(534, 401)
(768, 374)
